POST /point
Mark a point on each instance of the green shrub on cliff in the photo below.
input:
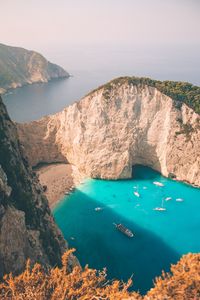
(179, 91)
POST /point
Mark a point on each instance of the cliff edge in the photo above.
(27, 228)
(117, 126)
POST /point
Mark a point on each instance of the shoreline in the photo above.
(58, 179)
(7, 91)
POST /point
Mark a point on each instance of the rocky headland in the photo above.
(123, 123)
(19, 67)
(27, 228)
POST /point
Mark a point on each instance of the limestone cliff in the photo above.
(19, 67)
(115, 127)
(27, 228)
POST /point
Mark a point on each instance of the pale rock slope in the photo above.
(116, 127)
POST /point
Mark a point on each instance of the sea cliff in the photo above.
(19, 67)
(27, 228)
(115, 127)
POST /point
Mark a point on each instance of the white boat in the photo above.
(160, 208)
(98, 208)
(136, 194)
(179, 200)
(168, 198)
(158, 183)
(144, 187)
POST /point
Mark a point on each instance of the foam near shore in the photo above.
(59, 179)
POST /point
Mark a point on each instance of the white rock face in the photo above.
(109, 131)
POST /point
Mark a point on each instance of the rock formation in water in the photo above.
(19, 67)
(116, 127)
(27, 228)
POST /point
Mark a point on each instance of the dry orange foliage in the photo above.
(58, 284)
(182, 284)
(89, 284)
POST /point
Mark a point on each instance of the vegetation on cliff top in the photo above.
(183, 283)
(177, 90)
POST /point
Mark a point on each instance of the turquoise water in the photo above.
(160, 237)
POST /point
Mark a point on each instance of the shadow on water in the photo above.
(100, 245)
(141, 172)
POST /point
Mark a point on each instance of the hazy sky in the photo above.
(40, 24)
(97, 40)
(156, 38)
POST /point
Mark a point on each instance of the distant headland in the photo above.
(19, 67)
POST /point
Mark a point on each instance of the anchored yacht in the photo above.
(124, 230)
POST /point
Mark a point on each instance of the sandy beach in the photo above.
(59, 178)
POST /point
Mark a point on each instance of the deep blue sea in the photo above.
(161, 237)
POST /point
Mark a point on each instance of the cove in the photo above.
(161, 237)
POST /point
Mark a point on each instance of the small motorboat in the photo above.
(179, 200)
(136, 194)
(144, 187)
(72, 238)
(66, 193)
(98, 208)
(158, 183)
(124, 230)
(160, 208)
(168, 198)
